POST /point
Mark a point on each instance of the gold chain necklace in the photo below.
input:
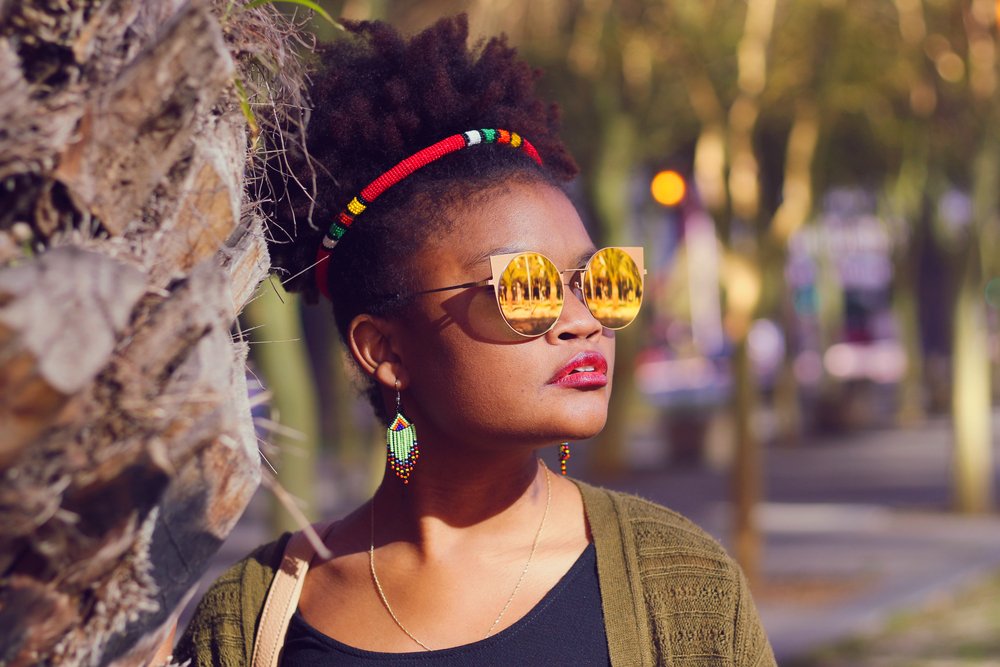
(534, 546)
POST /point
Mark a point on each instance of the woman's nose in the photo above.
(576, 320)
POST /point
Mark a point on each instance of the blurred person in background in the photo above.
(481, 315)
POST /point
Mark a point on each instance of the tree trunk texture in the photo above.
(127, 247)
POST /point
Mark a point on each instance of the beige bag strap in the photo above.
(282, 600)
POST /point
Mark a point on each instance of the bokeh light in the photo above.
(668, 188)
(993, 293)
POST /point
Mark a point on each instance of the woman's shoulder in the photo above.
(225, 620)
(655, 529)
(697, 598)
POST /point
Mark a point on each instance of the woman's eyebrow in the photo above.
(479, 258)
(578, 263)
(584, 257)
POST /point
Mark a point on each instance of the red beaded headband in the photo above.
(373, 190)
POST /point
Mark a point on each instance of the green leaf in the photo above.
(248, 113)
(308, 4)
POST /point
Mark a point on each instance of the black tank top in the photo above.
(566, 627)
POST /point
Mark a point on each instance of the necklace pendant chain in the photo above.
(517, 586)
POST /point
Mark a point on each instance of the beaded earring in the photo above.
(401, 443)
(563, 457)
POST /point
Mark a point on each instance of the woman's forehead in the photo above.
(521, 217)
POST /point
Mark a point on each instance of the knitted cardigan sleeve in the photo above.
(221, 632)
(698, 602)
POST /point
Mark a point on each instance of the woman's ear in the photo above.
(370, 341)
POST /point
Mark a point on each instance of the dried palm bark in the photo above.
(128, 244)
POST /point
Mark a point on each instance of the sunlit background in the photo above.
(814, 375)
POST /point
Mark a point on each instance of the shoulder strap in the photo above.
(282, 599)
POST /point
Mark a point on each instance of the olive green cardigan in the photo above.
(671, 595)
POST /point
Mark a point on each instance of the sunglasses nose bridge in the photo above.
(573, 283)
(576, 313)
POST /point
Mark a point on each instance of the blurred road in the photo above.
(855, 528)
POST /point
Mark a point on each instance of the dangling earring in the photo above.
(401, 442)
(563, 457)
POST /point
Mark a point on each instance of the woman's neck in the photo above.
(452, 498)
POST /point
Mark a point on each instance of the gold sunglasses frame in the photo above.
(499, 263)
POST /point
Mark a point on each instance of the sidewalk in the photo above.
(855, 530)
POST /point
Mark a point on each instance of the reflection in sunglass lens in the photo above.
(530, 292)
(612, 287)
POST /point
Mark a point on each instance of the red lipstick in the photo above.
(584, 371)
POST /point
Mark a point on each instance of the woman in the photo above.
(482, 316)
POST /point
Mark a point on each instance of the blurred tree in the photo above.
(749, 87)
(907, 206)
(341, 427)
(944, 127)
(273, 318)
(969, 82)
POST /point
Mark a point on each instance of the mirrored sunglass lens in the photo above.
(612, 287)
(530, 293)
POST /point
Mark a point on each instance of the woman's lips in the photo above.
(585, 370)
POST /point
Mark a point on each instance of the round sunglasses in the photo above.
(529, 288)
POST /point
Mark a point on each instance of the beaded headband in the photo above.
(422, 158)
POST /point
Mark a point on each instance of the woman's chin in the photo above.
(584, 426)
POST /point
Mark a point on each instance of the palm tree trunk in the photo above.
(126, 250)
